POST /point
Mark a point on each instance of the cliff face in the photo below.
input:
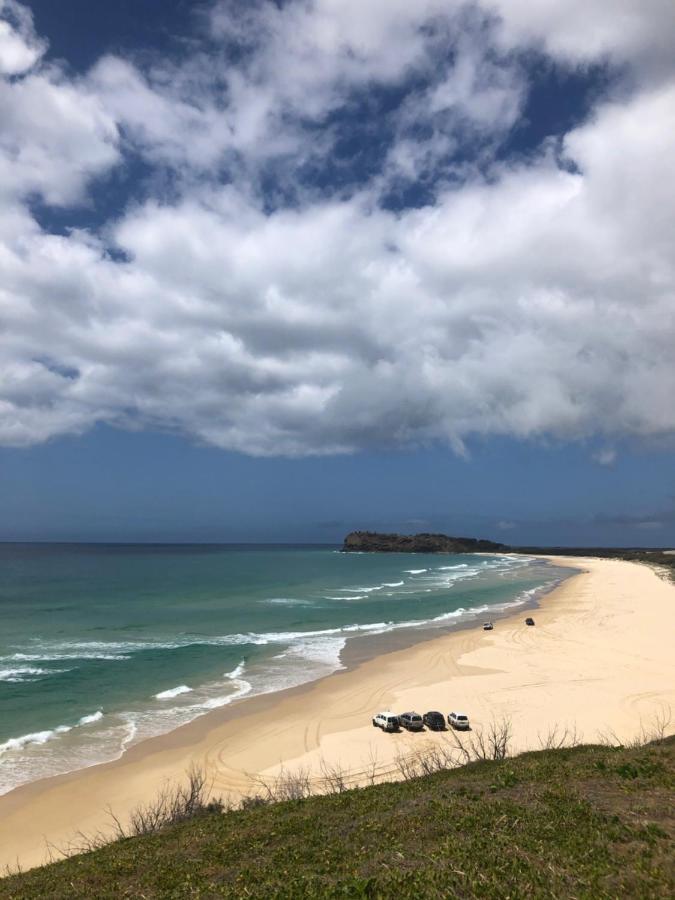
(374, 542)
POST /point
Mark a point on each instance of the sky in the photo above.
(271, 271)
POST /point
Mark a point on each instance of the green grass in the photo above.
(586, 822)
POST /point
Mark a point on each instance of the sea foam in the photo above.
(22, 673)
(89, 720)
(237, 672)
(287, 601)
(173, 692)
(41, 737)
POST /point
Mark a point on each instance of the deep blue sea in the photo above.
(104, 645)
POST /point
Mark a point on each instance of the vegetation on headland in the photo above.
(585, 821)
(377, 542)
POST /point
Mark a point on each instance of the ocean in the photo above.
(104, 645)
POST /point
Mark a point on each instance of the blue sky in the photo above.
(274, 271)
(116, 485)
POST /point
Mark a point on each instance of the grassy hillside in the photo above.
(584, 822)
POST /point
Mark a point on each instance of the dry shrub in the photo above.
(174, 803)
(558, 737)
(655, 732)
(335, 779)
(491, 743)
(284, 786)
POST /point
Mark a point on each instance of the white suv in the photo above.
(387, 721)
(459, 721)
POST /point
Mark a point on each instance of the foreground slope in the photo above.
(582, 822)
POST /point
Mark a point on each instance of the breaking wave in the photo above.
(24, 673)
(286, 601)
(41, 737)
(173, 692)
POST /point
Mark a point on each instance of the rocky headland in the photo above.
(375, 542)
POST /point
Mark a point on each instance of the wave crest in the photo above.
(173, 692)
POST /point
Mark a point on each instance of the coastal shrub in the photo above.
(335, 778)
(250, 801)
(426, 761)
(655, 732)
(492, 742)
(173, 804)
(287, 785)
(558, 737)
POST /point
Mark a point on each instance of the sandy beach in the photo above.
(598, 661)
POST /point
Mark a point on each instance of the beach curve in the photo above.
(598, 661)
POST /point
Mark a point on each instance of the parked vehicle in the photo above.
(387, 721)
(459, 721)
(529, 620)
(434, 720)
(488, 626)
(411, 721)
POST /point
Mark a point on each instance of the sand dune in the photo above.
(599, 660)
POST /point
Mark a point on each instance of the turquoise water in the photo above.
(101, 646)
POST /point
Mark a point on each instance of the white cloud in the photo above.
(537, 301)
(20, 48)
(639, 32)
(301, 64)
(55, 136)
(54, 133)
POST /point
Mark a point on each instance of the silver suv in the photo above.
(411, 721)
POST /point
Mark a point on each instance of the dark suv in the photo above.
(434, 720)
(411, 721)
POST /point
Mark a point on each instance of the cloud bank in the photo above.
(265, 288)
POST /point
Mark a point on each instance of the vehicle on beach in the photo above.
(434, 720)
(411, 721)
(488, 626)
(387, 721)
(529, 620)
(459, 721)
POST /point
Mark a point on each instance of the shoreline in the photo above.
(406, 638)
(514, 671)
(359, 646)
